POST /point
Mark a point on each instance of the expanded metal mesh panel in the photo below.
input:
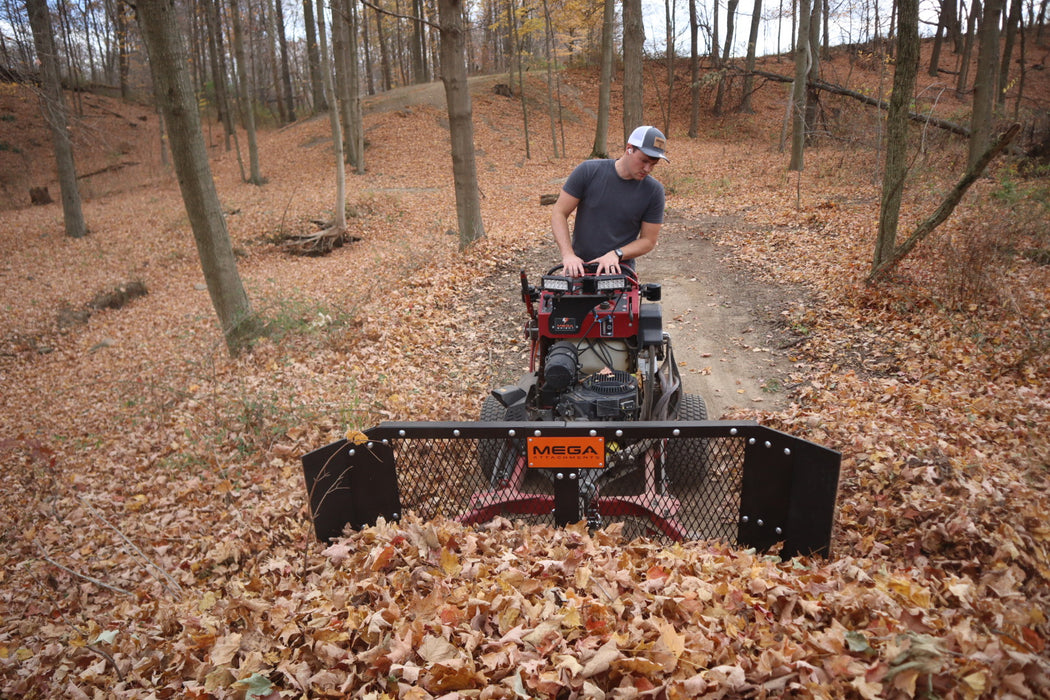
(692, 483)
(711, 480)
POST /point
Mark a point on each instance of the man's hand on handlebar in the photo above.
(572, 265)
(607, 264)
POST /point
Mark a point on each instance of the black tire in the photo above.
(686, 459)
(489, 450)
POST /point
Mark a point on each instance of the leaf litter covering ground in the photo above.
(155, 538)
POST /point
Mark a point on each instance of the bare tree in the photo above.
(217, 57)
(797, 106)
(313, 58)
(726, 50)
(984, 89)
(963, 80)
(286, 74)
(601, 126)
(178, 103)
(512, 16)
(460, 120)
(53, 105)
(246, 103)
(633, 42)
(897, 129)
(1013, 22)
(752, 42)
(694, 70)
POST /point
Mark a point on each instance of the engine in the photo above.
(608, 394)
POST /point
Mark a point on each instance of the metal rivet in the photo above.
(511, 432)
(733, 431)
(676, 432)
(572, 476)
(352, 452)
(559, 476)
(395, 516)
(787, 450)
(768, 444)
(401, 432)
(370, 444)
(751, 441)
(455, 433)
(745, 519)
(779, 531)
(593, 432)
(537, 433)
(761, 522)
(619, 433)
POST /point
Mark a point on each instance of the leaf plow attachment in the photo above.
(730, 481)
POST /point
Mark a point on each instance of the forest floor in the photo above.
(155, 533)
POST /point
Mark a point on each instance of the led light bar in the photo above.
(555, 283)
(608, 283)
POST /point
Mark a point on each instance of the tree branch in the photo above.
(381, 11)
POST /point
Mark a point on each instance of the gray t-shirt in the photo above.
(611, 210)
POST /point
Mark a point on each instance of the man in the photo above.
(619, 207)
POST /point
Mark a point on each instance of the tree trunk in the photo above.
(601, 128)
(967, 51)
(694, 71)
(726, 50)
(384, 53)
(752, 41)
(171, 85)
(123, 60)
(247, 107)
(313, 59)
(53, 105)
(460, 115)
(984, 90)
(286, 75)
(548, 40)
(1012, 23)
(897, 129)
(938, 38)
(339, 216)
(670, 60)
(417, 50)
(219, 72)
(812, 98)
(354, 128)
(798, 89)
(512, 16)
(633, 92)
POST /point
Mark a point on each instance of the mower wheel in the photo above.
(687, 458)
(502, 451)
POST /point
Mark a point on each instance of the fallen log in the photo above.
(866, 99)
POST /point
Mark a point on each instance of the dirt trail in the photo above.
(725, 325)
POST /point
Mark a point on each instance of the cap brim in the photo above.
(652, 153)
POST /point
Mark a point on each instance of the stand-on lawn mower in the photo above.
(598, 353)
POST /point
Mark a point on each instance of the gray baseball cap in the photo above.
(650, 140)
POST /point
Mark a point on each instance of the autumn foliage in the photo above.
(156, 541)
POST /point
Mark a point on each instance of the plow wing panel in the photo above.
(737, 482)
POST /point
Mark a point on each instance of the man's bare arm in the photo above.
(563, 208)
